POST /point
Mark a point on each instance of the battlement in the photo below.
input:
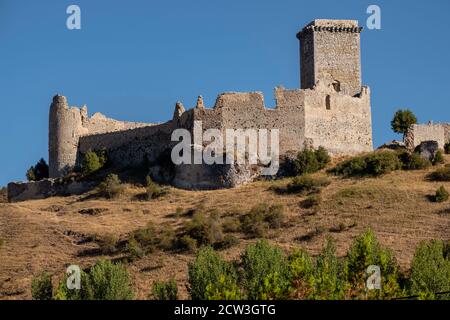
(331, 109)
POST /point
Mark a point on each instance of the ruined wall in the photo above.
(330, 53)
(418, 133)
(67, 125)
(340, 123)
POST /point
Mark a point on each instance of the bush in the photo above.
(227, 242)
(441, 174)
(430, 271)
(328, 281)
(310, 161)
(147, 240)
(366, 251)
(301, 269)
(265, 272)
(92, 162)
(438, 158)
(311, 201)
(107, 244)
(231, 224)
(41, 287)
(447, 148)
(306, 183)
(210, 277)
(186, 243)
(441, 194)
(38, 172)
(165, 290)
(413, 161)
(261, 218)
(373, 164)
(205, 229)
(111, 187)
(3, 195)
(153, 190)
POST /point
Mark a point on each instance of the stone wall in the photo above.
(330, 52)
(439, 132)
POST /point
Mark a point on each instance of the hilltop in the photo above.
(53, 233)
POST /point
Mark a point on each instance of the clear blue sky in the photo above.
(132, 60)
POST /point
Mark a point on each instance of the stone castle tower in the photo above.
(331, 109)
(330, 52)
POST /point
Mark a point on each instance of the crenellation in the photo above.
(331, 109)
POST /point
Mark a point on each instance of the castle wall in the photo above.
(418, 133)
(330, 53)
(340, 123)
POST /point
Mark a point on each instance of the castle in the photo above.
(331, 109)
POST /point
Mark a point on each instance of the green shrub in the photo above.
(111, 187)
(38, 172)
(153, 190)
(373, 164)
(328, 279)
(107, 244)
(186, 243)
(261, 218)
(441, 194)
(227, 242)
(300, 264)
(165, 290)
(231, 224)
(366, 251)
(209, 277)
(413, 161)
(447, 148)
(265, 272)
(311, 201)
(310, 161)
(91, 163)
(306, 183)
(204, 229)
(84, 293)
(430, 271)
(441, 174)
(438, 158)
(149, 239)
(41, 287)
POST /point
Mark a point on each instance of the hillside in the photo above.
(50, 234)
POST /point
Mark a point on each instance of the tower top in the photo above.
(331, 26)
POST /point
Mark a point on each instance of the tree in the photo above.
(38, 172)
(402, 121)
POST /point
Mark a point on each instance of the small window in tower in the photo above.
(328, 102)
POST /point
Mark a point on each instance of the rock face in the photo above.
(427, 149)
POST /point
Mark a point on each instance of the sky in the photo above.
(132, 60)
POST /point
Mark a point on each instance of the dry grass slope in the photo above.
(50, 234)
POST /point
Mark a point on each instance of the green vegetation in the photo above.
(438, 158)
(430, 271)
(306, 184)
(204, 229)
(41, 287)
(111, 187)
(38, 172)
(310, 161)
(373, 164)
(261, 218)
(149, 239)
(413, 161)
(441, 174)
(104, 281)
(153, 190)
(447, 148)
(93, 161)
(265, 272)
(165, 290)
(402, 121)
(441, 194)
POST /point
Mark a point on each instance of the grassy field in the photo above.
(53, 233)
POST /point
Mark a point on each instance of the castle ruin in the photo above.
(331, 109)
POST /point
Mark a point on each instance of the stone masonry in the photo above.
(418, 133)
(331, 109)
